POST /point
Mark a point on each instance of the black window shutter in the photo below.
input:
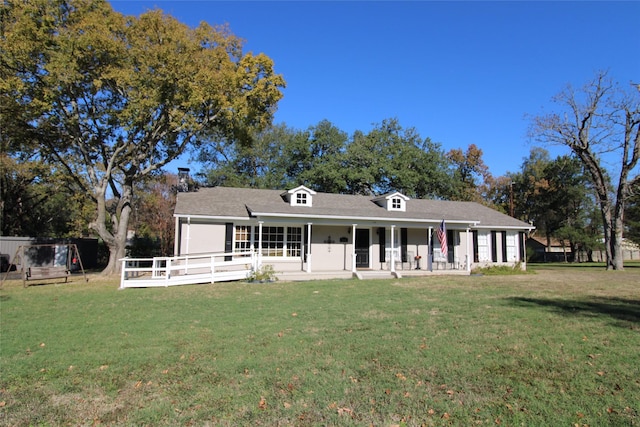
(494, 246)
(228, 240)
(382, 243)
(306, 246)
(504, 246)
(403, 244)
(522, 248)
(476, 256)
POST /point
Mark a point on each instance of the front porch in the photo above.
(364, 274)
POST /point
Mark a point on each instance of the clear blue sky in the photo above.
(461, 73)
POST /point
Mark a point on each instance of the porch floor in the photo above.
(296, 276)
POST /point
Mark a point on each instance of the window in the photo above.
(277, 243)
(483, 248)
(243, 239)
(396, 203)
(294, 241)
(301, 198)
(273, 241)
(511, 247)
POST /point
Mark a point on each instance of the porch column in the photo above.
(177, 237)
(260, 244)
(393, 249)
(308, 237)
(468, 256)
(353, 248)
(429, 252)
(186, 251)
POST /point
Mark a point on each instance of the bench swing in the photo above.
(32, 271)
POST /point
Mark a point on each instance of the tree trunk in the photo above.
(116, 237)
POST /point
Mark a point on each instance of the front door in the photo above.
(362, 248)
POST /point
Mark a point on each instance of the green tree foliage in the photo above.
(37, 201)
(324, 158)
(469, 173)
(595, 122)
(555, 196)
(632, 218)
(392, 158)
(111, 99)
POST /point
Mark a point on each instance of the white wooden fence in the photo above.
(187, 269)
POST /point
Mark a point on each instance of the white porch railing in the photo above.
(187, 269)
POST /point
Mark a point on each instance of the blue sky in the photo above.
(461, 73)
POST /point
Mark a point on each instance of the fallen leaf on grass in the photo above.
(345, 411)
(287, 405)
(263, 403)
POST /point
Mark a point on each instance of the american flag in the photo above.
(442, 236)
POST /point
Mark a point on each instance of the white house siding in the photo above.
(332, 256)
(201, 237)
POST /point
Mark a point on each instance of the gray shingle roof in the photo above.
(246, 202)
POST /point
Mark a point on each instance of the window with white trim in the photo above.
(396, 204)
(484, 254)
(243, 240)
(512, 247)
(281, 241)
(294, 241)
(301, 198)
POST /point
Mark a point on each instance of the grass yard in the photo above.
(558, 347)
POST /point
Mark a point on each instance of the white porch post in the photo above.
(353, 248)
(308, 247)
(186, 250)
(259, 245)
(393, 249)
(178, 234)
(468, 256)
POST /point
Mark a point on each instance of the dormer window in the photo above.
(299, 196)
(396, 204)
(392, 202)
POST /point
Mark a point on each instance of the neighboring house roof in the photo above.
(541, 241)
(245, 203)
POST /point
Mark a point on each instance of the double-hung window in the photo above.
(294, 241)
(243, 240)
(281, 241)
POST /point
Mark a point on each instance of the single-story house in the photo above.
(306, 231)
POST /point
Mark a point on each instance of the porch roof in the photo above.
(247, 203)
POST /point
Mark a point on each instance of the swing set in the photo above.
(46, 262)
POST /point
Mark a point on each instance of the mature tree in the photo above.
(112, 99)
(469, 172)
(152, 218)
(314, 158)
(595, 123)
(554, 195)
(391, 158)
(258, 165)
(38, 201)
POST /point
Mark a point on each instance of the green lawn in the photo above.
(557, 347)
